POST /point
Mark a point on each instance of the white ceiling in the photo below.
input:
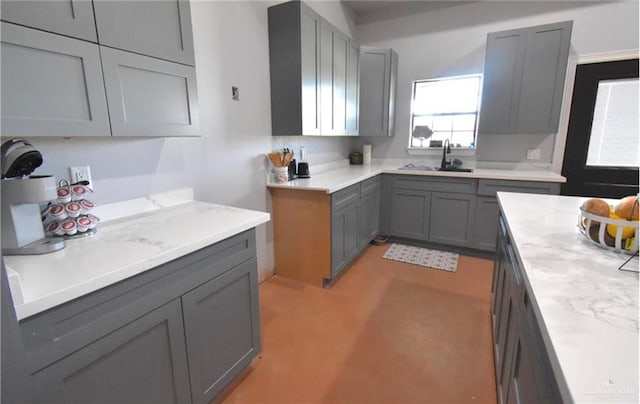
(365, 11)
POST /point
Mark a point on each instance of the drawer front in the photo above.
(56, 333)
(490, 187)
(345, 196)
(459, 185)
(371, 185)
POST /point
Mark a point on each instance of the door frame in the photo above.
(572, 64)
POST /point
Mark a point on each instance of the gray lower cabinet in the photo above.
(72, 18)
(158, 28)
(369, 220)
(51, 85)
(452, 211)
(451, 218)
(143, 362)
(355, 213)
(485, 229)
(410, 211)
(149, 96)
(524, 79)
(222, 329)
(487, 210)
(523, 371)
(378, 76)
(177, 333)
(344, 237)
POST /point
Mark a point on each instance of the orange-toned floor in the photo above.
(385, 332)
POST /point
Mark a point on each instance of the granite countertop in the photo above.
(587, 309)
(122, 248)
(341, 177)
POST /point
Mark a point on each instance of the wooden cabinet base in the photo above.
(302, 235)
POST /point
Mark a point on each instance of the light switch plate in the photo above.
(533, 154)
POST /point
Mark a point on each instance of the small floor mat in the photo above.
(425, 257)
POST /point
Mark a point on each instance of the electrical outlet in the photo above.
(533, 154)
(82, 173)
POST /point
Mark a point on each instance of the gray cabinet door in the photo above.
(334, 55)
(326, 78)
(485, 230)
(545, 66)
(341, 51)
(369, 220)
(353, 88)
(524, 79)
(309, 71)
(158, 28)
(410, 213)
(72, 18)
(51, 85)
(375, 91)
(142, 362)
(222, 329)
(344, 237)
(452, 218)
(148, 96)
(501, 82)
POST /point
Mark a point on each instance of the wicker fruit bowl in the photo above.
(614, 234)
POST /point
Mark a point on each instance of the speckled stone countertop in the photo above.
(587, 309)
(333, 180)
(122, 248)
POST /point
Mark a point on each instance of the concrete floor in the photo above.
(385, 332)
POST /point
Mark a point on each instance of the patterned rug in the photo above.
(445, 261)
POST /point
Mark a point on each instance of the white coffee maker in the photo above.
(22, 230)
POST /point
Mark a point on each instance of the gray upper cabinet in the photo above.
(72, 18)
(158, 28)
(149, 96)
(378, 75)
(353, 89)
(51, 85)
(334, 56)
(311, 65)
(524, 79)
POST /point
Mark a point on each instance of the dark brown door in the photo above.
(601, 156)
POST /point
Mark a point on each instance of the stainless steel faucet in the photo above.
(445, 149)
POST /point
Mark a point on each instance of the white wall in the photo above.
(226, 164)
(451, 41)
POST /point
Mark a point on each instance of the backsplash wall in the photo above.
(451, 41)
(226, 164)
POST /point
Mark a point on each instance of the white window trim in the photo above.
(455, 151)
(437, 151)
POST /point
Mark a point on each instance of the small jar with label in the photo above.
(78, 192)
(73, 209)
(83, 223)
(70, 227)
(55, 228)
(64, 195)
(58, 212)
(86, 206)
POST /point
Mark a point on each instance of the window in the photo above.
(614, 138)
(449, 108)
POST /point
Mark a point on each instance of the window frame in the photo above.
(412, 116)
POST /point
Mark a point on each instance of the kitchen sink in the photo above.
(413, 167)
(457, 169)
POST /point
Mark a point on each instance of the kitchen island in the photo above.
(159, 306)
(584, 310)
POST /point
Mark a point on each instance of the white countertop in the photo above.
(123, 248)
(338, 178)
(587, 309)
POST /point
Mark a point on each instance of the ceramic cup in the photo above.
(280, 174)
